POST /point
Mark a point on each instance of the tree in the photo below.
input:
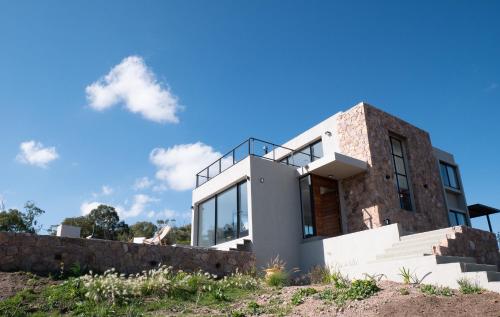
(105, 220)
(14, 220)
(143, 229)
(85, 224)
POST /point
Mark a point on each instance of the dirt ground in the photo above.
(387, 302)
(390, 302)
(11, 283)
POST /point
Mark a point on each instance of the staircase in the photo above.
(415, 252)
(246, 245)
(241, 244)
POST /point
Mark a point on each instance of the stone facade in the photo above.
(363, 133)
(470, 242)
(44, 254)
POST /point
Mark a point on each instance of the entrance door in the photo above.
(320, 206)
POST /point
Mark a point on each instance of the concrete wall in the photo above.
(44, 254)
(276, 215)
(349, 249)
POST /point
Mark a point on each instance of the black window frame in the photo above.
(311, 203)
(455, 213)
(238, 210)
(402, 203)
(312, 156)
(447, 177)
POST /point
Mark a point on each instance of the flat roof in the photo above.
(478, 210)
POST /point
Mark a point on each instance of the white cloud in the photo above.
(180, 217)
(138, 207)
(34, 153)
(87, 207)
(106, 190)
(135, 85)
(142, 183)
(178, 165)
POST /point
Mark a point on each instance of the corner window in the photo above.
(449, 175)
(305, 155)
(457, 218)
(223, 217)
(400, 172)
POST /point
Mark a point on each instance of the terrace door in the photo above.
(320, 206)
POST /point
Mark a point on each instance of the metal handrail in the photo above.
(250, 151)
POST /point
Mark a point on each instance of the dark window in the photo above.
(227, 215)
(398, 158)
(308, 226)
(456, 218)
(206, 223)
(223, 217)
(305, 155)
(243, 209)
(449, 175)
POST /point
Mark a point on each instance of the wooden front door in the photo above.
(326, 206)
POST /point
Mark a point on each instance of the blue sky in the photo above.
(220, 72)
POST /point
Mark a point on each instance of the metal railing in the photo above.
(255, 147)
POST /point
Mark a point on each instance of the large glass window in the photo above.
(227, 215)
(223, 217)
(457, 218)
(400, 172)
(206, 223)
(449, 175)
(243, 211)
(308, 226)
(305, 155)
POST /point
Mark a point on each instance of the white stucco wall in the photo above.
(349, 249)
(276, 215)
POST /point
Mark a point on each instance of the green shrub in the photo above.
(361, 289)
(404, 291)
(300, 294)
(436, 290)
(339, 280)
(467, 287)
(253, 307)
(277, 279)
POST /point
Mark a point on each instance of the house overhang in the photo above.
(336, 165)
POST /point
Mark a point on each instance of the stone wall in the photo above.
(44, 254)
(470, 242)
(371, 197)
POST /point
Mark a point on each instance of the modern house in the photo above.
(342, 193)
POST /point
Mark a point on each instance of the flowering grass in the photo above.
(114, 294)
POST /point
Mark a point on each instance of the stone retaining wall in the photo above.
(469, 242)
(45, 254)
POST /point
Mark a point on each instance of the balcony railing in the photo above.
(255, 147)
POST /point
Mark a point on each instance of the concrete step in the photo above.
(493, 286)
(434, 233)
(475, 267)
(398, 256)
(444, 259)
(432, 240)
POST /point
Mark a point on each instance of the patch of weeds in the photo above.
(299, 296)
(277, 307)
(17, 305)
(253, 307)
(355, 290)
(408, 278)
(277, 279)
(436, 290)
(404, 291)
(237, 313)
(468, 287)
(339, 280)
(320, 275)
(361, 289)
